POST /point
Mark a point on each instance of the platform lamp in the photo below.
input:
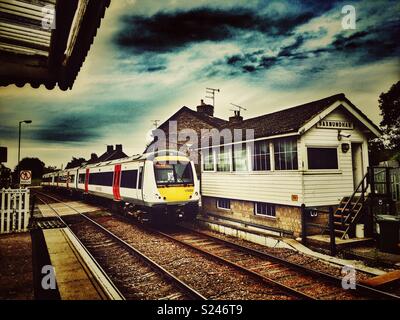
(19, 142)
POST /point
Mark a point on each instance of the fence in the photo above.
(395, 182)
(14, 210)
(385, 186)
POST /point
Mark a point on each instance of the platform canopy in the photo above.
(46, 41)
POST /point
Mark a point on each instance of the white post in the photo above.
(26, 212)
(3, 203)
(20, 199)
(14, 212)
(8, 220)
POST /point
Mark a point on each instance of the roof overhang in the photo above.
(351, 109)
(46, 41)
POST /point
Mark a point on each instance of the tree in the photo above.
(75, 162)
(389, 103)
(33, 164)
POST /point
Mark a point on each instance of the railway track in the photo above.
(292, 276)
(214, 279)
(296, 279)
(134, 274)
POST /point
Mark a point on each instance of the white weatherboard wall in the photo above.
(274, 187)
(313, 187)
(327, 187)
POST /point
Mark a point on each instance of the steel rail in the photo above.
(325, 276)
(300, 267)
(104, 274)
(238, 267)
(155, 266)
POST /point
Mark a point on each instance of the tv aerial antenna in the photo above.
(239, 108)
(211, 94)
(155, 123)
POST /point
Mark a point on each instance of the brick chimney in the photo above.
(110, 149)
(118, 147)
(207, 109)
(237, 118)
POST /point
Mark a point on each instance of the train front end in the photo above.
(175, 188)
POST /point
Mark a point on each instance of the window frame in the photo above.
(246, 158)
(294, 142)
(203, 158)
(102, 179)
(268, 205)
(223, 208)
(124, 174)
(227, 150)
(254, 154)
(336, 147)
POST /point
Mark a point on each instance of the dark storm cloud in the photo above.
(68, 128)
(258, 60)
(89, 124)
(360, 48)
(371, 44)
(171, 31)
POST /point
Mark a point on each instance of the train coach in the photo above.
(154, 186)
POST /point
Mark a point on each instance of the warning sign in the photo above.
(25, 177)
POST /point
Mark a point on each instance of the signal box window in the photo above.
(223, 204)
(264, 209)
(322, 158)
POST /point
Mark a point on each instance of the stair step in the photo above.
(340, 224)
(339, 216)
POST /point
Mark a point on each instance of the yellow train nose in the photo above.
(176, 194)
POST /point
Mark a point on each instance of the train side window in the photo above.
(101, 179)
(129, 179)
(81, 179)
(140, 178)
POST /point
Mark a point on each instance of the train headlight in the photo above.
(196, 193)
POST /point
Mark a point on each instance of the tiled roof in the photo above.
(287, 120)
(212, 121)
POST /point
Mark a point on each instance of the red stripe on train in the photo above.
(87, 181)
(116, 182)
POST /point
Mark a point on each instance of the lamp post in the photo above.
(19, 143)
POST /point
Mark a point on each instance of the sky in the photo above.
(152, 57)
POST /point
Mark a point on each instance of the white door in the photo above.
(357, 163)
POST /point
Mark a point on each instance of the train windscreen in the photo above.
(173, 173)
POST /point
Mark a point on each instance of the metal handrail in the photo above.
(363, 190)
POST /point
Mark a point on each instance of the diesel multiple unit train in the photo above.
(160, 186)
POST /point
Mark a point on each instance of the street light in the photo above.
(19, 142)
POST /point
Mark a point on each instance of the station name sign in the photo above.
(335, 124)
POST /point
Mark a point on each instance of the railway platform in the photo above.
(23, 256)
(74, 279)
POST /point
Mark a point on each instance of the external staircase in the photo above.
(350, 210)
